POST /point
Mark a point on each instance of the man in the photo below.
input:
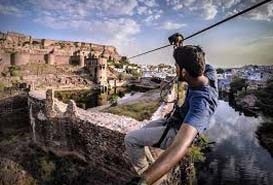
(185, 124)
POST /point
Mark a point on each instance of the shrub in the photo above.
(238, 84)
(47, 168)
(195, 154)
(13, 173)
(14, 71)
(114, 100)
(2, 86)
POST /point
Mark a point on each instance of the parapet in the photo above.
(46, 42)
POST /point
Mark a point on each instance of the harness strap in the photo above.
(157, 145)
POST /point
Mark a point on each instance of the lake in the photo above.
(237, 158)
(92, 98)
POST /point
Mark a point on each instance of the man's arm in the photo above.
(172, 155)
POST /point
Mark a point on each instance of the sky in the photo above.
(135, 26)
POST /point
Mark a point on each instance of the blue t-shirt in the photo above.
(200, 103)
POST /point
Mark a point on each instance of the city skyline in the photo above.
(135, 26)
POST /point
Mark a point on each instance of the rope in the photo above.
(207, 28)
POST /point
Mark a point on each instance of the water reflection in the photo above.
(229, 97)
(88, 99)
(237, 157)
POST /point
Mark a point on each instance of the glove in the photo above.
(136, 181)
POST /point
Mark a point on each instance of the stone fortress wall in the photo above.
(95, 137)
(20, 49)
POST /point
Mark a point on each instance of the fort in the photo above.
(19, 49)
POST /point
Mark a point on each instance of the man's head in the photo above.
(191, 59)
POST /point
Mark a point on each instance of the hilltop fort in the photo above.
(20, 49)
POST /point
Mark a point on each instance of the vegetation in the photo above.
(195, 152)
(9, 139)
(14, 71)
(13, 173)
(114, 100)
(124, 61)
(134, 72)
(195, 155)
(47, 167)
(162, 65)
(220, 71)
(139, 111)
(118, 65)
(110, 62)
(121, 76)
(265, 102)
(265, 98)
(265, 135)
(83, 98)
(238, 84)
(2, 86)
(23, 163)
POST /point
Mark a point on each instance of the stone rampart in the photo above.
(93, 136)
(37, 58)
(67, 128)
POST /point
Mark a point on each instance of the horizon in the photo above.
(136, 26)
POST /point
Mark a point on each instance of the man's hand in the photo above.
(172, 155)
(176, 40)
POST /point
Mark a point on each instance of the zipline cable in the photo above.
(207, 28)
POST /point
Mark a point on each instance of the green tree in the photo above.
(265, 97)
(220, 71)
(238, 84)
(113, 100)
(124, 61)
(118, 65)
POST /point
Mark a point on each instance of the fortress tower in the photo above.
(20, 58)
(98, 70)
(50, 58)
(81, 60)
(101, 76)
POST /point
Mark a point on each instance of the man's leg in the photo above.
(135, 142)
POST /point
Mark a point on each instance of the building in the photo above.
(19, 49)
(97, 66)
